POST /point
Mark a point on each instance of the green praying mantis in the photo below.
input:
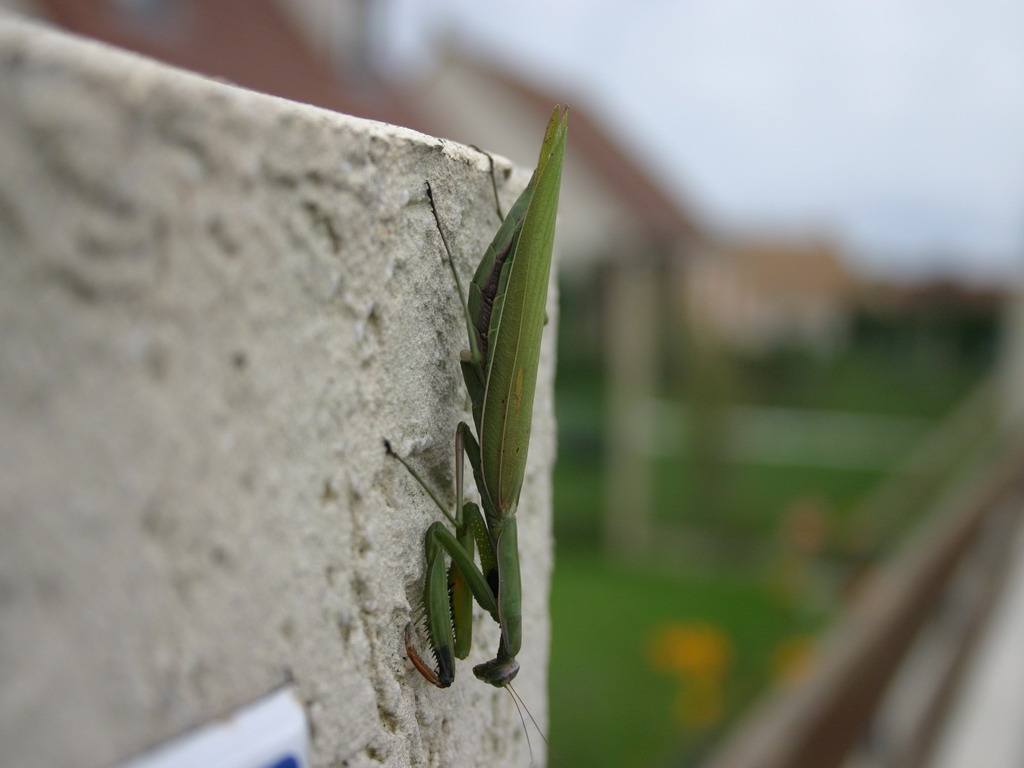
(505, 317)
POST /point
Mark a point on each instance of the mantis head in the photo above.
(498, 672)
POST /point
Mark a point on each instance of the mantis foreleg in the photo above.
(447, 599)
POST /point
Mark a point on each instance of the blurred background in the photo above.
(791, 336)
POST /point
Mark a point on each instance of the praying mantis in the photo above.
(505, 318)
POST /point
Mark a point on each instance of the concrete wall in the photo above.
(214, 305)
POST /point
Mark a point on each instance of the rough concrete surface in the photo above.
(214, 305)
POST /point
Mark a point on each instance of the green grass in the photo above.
(886, 379)
(755, 497)
(609, 706)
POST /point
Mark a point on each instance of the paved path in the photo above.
(986, 726)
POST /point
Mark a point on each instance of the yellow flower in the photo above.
(698, 656)
(696, 649)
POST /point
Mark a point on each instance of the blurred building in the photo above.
(611, 208)
(760, 295)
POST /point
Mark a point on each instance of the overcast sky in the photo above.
(896, 125)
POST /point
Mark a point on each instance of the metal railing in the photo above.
(960, 549)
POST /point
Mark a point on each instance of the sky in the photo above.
(894, 126)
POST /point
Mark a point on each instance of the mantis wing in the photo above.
(517, 323)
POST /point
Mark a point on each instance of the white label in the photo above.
(271, 733)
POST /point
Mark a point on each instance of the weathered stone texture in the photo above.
(214, 305)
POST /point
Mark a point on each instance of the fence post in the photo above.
(1012, 363)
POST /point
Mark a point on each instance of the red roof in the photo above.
(248, 42)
